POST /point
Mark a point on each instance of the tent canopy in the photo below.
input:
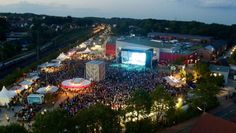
(34, 78)
(48, 89)
(82, 45)
(25, 82)
(45, 65)
(86, 51)
(6, 96)
(62, 57)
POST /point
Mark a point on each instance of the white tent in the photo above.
(17, 89)
(25, 83)
(71, 52)
(97, 47)
(34, 73)
(86, 51)
(48, 89)
(82, 45)
(62, 57)
(56, 61)
(33, 78)
(45, 65)
(6, 96)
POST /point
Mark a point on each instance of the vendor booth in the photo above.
(35, 99)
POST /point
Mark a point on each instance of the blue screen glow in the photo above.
(135, 58)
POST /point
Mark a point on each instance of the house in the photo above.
(220, 70)
(212, 124)
(217, 47)
(205, 54)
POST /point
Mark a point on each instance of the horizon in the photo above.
(208, 11)
(115, 17)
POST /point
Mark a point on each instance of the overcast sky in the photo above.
(209, 11)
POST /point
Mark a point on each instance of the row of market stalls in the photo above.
(31, 78)
(6, 96)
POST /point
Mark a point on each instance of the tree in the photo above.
(4, 28)
(13, 128)
(162, 103)
(217, 80)
(189, 77)
(202, 69)
(232, 58)
(98, 118)
(142, 126)
(204, 96)
(53, 122)
(140, 103)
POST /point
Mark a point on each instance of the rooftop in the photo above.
(146, 42)
(112, 40)
(177, 47)
(187, 36)
(212, 124)
(95, 62)
(219, 68)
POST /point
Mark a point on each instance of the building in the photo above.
(220, 70)
(216, 47)
(205, 54)
(161, 51)
(16, 35)
(208, 123)
(181, 37)
(95, 70)
(111, 47)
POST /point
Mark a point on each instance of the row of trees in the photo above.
(144, 26)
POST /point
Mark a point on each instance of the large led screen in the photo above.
(135, 58)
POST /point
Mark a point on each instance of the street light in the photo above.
(179, 103)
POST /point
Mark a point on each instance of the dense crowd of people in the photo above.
(116, 89)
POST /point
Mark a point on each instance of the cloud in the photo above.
(218, 3)
(53, 9)
(201, 10)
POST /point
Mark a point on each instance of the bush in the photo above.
(13, 128)
(142, 126)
